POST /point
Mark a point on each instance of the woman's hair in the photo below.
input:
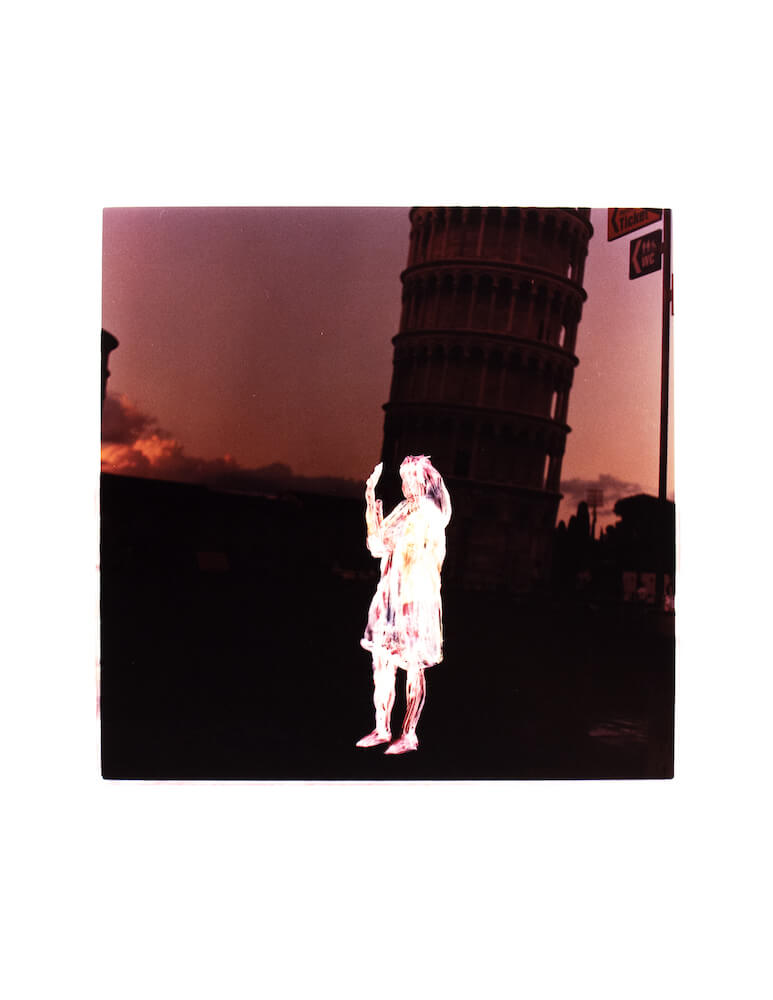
(431, 482)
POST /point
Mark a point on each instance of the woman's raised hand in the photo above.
(374, 510)
(374, 477)
(370, 484)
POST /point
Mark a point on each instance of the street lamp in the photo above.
(594, 498)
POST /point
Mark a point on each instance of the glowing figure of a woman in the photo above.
(405, 621)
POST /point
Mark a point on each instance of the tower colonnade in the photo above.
(556, 239)
(490, 299)
(482, 446)
(506, 377)
(483, 366)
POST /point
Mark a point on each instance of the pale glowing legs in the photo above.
(384, 671)
(415, 692)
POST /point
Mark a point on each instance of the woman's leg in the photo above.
(384, 670)
(415, 694)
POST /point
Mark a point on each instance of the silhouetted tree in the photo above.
(573, 554)
(645, 535)
(643, 539)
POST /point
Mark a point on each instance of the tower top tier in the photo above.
(554, 240)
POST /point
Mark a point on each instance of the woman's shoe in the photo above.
(406, 742)
(373, 739)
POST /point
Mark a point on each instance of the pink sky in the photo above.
(265, 335)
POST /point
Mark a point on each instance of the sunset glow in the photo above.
(265, 334)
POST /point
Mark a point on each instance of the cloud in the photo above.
(123, 423)
(576, 490)
(133, 444)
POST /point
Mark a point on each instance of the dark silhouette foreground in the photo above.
(229, 653)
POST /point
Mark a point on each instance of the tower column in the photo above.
(530, 310)
(563, 406)
(475, 447)
(500, 238)
(554, 473)
(424, 305)
(571, 334)
(403, 309)
(559, 312)
(511, 308)
(430, 245)
(581, 269)
(494, 288)
(479, 247)
(473, 296)
(482, 380)
(443, 372)
(456, 278)
(417, 304)
(463, 234)
(444, 247)
(519, 234)
(427, 378)
(501, 389)
(438, 290)
(545, 320)
(410, 381)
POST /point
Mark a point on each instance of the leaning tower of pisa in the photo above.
(483, 365)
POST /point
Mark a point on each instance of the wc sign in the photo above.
(646, 254)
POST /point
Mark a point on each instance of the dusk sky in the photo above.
(255, 336)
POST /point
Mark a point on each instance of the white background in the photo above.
(543, 889)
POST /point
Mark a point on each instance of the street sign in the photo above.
(646, 254)
(621, 221)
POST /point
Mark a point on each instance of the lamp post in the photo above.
(594, 498)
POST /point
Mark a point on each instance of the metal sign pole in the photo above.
(664, 368)
(665, 353)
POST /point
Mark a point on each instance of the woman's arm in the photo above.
(374, 515)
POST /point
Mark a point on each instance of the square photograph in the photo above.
(387, 494)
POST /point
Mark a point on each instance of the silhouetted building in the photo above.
(483, 365)
(151, 526)
(109, 343)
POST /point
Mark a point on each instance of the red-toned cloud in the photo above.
(133, 444)
(123, 423)
(576, 490)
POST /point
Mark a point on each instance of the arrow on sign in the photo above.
(646, 254)
(636, 257)
(621, 221)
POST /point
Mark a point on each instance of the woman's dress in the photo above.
(405, 617)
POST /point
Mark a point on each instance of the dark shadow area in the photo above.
(230, 650)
